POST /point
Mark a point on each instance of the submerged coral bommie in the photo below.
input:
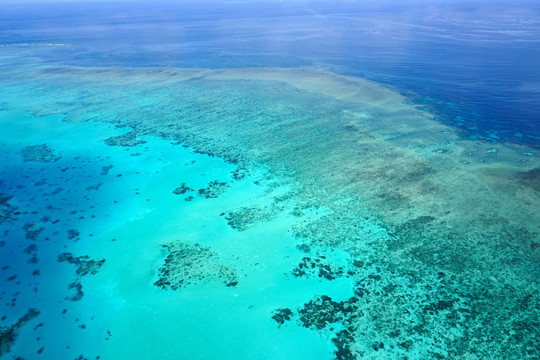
(213, 190)
(9, 334)
(193, 264)
(39, 153)
(6, 209)
(85, 266)
(182, 189)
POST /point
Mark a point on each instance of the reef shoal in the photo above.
(442, 232)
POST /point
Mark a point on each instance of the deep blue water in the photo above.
(475, 63)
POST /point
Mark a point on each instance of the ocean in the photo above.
(269, 180)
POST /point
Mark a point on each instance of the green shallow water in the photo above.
(259, 214)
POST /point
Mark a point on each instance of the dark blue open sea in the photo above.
(475, 62)
(270, 179)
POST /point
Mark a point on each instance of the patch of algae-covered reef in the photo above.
(441, 233)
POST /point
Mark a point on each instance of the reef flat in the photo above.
(438, 236)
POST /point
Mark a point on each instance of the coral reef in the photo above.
(32, 230)
(8, 335)
(32, 250)
(282, 315)
(530, 178)
(85, 266)
(379, 318)
(239, 173)
(105, 169)
(128, 139)
(213, 190)
(318, 267)
(6, 209)
(323, 311)
(39, 153)
(182, 189)
(246, 217)
(442, 231)
(73, 234)
(192, 264)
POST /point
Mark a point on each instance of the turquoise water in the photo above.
(128, 214)
(247, 212)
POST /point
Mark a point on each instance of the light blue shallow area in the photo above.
(125, 220)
